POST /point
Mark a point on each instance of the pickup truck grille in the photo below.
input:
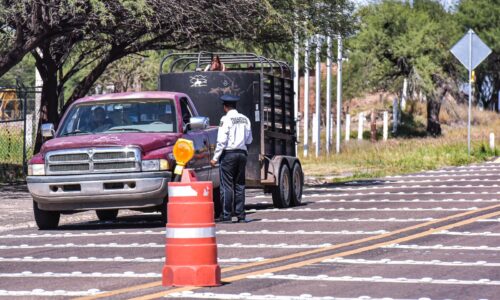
(93, 160)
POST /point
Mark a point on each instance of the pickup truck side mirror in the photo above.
(198, 123)
(48, 130)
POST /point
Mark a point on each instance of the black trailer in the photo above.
(266, 94)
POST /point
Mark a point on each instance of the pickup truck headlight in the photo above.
(154, 165)
(36, 170)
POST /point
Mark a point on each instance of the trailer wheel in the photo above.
(106, 214)
(297, 184)
(282, 193)
(45, 219)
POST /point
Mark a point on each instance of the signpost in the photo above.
(470, 50)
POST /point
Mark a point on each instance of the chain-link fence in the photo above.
(18, 122)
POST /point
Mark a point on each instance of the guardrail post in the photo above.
(492, 141)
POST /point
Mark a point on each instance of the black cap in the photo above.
(230, 98)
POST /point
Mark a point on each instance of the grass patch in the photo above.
(364, 160)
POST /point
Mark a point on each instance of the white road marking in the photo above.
(149, 232)
(378, 279)
(373, 182)
(56, 293)
(77, 274)
(443, 247)
(335, 220)
(329, 195)
(249, 296)
(489, 220)
(302, 232)
(467, 233)
(404, 186)
(114, 259)
(414, 200)
(435, 262)
(439, 176)
(155, 245)
(383, 209)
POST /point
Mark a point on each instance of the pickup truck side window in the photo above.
(186, 111)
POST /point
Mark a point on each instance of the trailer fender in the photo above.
(275, 165)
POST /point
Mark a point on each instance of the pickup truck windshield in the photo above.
(123, 116)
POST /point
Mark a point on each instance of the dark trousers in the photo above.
(232, 183)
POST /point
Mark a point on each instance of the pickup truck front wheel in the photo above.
(45, 219)
(282, 193)
(106, 214)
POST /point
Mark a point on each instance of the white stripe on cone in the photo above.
(190, 233)
(182, 191)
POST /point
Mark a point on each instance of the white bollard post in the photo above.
(492, 141)
(386, 126)
(361, 119)
(315, 128)
(306, 99)
(347, 127)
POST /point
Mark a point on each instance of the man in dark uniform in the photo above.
(234, 135)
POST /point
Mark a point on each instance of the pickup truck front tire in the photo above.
(106, 214)
(46, 220)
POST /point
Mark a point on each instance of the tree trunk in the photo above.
(433, 108)
(49, 99)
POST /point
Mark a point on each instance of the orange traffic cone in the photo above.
(191, 249)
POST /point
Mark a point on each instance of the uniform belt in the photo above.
(236, 151)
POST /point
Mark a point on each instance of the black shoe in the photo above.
(223, 220)
(243, 220)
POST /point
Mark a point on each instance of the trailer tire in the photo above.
(297, 184)
(45, 219)
(282, 193)
(106, 214)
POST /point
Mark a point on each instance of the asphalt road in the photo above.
(431, 235)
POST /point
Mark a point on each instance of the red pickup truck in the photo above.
(114, 152)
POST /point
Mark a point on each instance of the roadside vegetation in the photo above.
(406, 154)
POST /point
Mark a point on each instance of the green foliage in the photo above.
(396, 41)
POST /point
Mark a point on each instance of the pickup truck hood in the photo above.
(146, 141)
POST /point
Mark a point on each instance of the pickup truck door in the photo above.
(201, 159)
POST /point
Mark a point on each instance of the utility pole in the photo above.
(328, 92)
(296, 85)
(318, 94)
(306, 98)
(339, 92)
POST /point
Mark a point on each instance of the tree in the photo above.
(396, 41)
(483, 17)
(155, 24)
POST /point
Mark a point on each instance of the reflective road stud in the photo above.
(191, 249)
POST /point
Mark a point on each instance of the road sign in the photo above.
(470, 51)
(470, 45)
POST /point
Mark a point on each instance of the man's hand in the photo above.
(213, 163)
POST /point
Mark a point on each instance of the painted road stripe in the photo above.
(439, 176)
(404, 186)
(443, 247)
(77, 274)
(447, 200)
(56, 293)
(377, 279)
(490, 220)
(383, 209)
(155, 245)
(335, 220)
(113, 259)
(249, 296)
(329, 195)
(219, 232)
(314, 251)
(468, 233)
(435, 262)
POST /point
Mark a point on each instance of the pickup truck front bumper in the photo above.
(99, 191)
